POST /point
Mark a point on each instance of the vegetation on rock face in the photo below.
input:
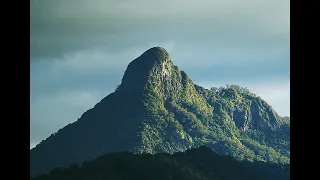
(157, 108)
(195, 164)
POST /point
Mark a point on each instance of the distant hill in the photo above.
(157, 108)
(196, 164)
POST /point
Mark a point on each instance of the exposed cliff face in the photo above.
(157, 108)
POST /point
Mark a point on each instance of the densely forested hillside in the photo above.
(157, 108)
(196, 164)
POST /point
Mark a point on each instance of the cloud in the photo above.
(59, 27)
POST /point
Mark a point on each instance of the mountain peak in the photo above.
(157, 49)
(157, 108)
(155, 59)
(156, 53)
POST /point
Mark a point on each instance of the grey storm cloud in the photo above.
(64, 26)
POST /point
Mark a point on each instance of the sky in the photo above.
(79, 50)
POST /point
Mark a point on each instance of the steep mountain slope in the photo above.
(157, 108)
(196, 164)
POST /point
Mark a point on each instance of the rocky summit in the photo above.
(157, 108)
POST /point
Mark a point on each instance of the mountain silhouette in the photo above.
(157, 108)
(194, 164)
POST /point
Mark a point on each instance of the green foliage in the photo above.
(196, 164)
(231, 120)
